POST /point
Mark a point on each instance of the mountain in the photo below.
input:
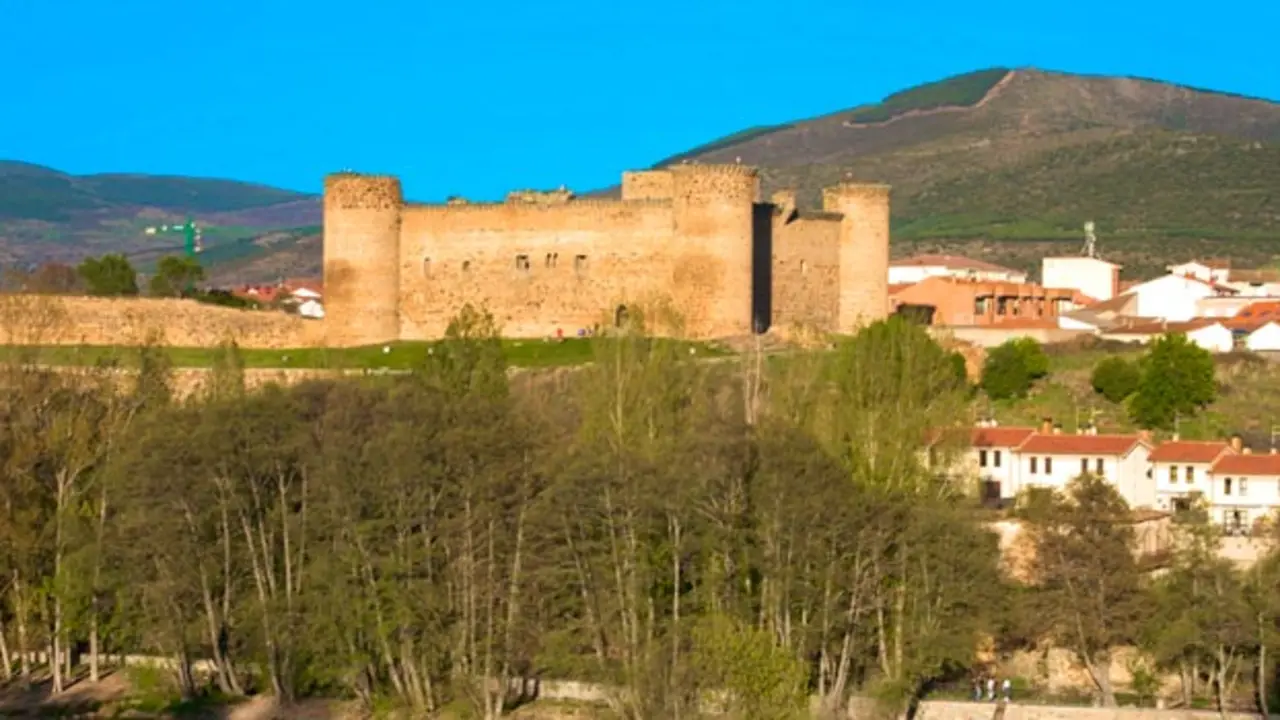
(46, 214)
(1009, 165)
(999, 164)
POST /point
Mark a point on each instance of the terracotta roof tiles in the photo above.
(1080, 444)
(1185, 451)
(1003, 437)
(1260, 464)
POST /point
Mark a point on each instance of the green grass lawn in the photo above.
(400, 356)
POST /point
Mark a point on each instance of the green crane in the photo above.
(191, 235)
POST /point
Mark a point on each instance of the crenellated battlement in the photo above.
(851, 189)
(726, 169)
(353, 191)
(466, 206)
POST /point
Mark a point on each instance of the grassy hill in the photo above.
(46, 214)
(1007, 163)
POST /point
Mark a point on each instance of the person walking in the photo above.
(977, 689)
(991, 689)
(1006, 688)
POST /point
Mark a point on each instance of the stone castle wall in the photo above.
(806, 271)
(59, 320)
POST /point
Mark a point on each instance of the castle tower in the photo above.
(712, 246)
(361, 259)
(864, 252)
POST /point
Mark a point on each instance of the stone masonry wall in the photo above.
(864, 252)
(806, 271)
(55, 320)
(538, 268)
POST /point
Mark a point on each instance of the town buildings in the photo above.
(1240, 487)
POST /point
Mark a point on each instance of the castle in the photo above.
(697, 238)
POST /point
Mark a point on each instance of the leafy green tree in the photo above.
(1089, 592)
(1010, 369)
(1116, 378)
(109, 275)
(759, 679)
(1177, 381)
(174, 276)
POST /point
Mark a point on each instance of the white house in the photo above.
(992, 456)
(1174, 297)
(1051, 460)
(311, 308)
(1246, 488)
(1096, 278)
(1264, 338)
(909, 271)
(1212, 335)
(1211, 271)
(1182, 469)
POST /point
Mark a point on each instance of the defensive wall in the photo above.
(67, 320)
(694, 239)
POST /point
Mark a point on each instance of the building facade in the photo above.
(693, 244)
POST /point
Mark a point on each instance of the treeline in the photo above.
(113, 275)
(753, 533)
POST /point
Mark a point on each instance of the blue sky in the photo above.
(475, 98)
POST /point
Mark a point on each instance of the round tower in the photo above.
(361, 259)
(863, 254)
(712, 214)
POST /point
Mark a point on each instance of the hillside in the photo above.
(46, 214)
(1008, 163)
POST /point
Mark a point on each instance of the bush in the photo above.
(1115, 379)
(1011, 369)
(1177, 381)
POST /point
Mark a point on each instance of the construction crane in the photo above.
(191, 235)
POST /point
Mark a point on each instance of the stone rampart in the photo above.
(65, 320)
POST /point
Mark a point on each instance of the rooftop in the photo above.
(1054, 444)
(1002, 437)
(1186, 451)
(1259, 464)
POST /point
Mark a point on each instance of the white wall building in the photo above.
(1211, 271)
(1211, 335)
(1182, 469)
(1174, 297)
(992, 456)
(1246, 488)
(1053, 460)
(1096, 278)
(1265, 338)
(909, 271)
(311, 308)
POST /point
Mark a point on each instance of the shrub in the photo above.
(1177, 381)
(1115, 378)
(1012, 368)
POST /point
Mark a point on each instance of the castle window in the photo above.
(426, 267)
(522, 262)
(804, 268)
(580, 263)
(553, 259)
(466, 266)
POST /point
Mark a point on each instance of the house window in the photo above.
(1189, 474)
(980, 306)
(982, 458)
(1084, 466)
(1048, 466)
(1244, 487)
(995, 458)
(1034, 464)
(522, 262)
(1100, 467)
(1173, 474)
(580, 263)
(1226, 486)
(552, 259)
(1002, 306)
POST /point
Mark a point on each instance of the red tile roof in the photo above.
(1000, 436)
(1255, 315)
(1260, 464)
(1184, 451)
(951, 262)
(1080, 444)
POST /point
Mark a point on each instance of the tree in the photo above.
(50, 278)
(1177, 381)
(1115, 378)
(174, 276)
(109, 275)
(1089, 595)
(1011, 369)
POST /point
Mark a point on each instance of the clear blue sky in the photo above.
(475, 98)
